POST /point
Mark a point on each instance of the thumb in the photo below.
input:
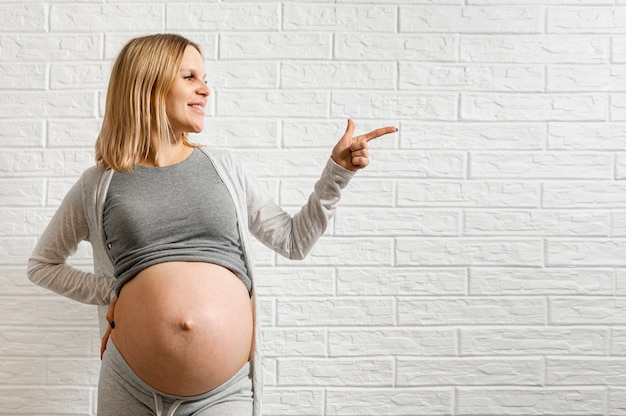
(349, 130)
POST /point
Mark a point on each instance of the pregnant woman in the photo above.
(169, 223)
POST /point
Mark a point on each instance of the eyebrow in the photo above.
(191, 70)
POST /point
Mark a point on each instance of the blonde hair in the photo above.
(135, 125)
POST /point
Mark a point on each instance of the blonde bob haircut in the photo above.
(135, 125)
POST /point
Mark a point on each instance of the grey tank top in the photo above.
(181, 212)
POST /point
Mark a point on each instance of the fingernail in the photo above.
(396, 129)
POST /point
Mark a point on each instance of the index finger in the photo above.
(377, 133)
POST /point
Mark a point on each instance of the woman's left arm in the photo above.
(293, 236)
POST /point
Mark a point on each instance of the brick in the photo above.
(544, 281)
(618, 223)
(568, 371)
(36, 162)
(339, 75)
(473, 77)
(47, 47)
(471, 311)
(415, 163)
(293, 342)
(588, 252)
(23, 18)
(452, 19)
(22, 222)
(395, 221)
(533, 341)
(73, 134)
(479, 136)
(620, 285)
(107, 17)
(577, 194)
(13, 279)
(469, 371)
(392, 402)
(59, 342)
(468, 194)
(80, 75)
(275, 46)
(531, 401)
(618, 342)
(380, 193)
(37, 104)
(533, 107)
(542, 165)
(222, 17)
(439, 106)
(338, 251)
(287, 401)
(536, 222)
(617, 400)
(272, 104)
(23, 371)
(54, 309)
(468, 251)
(21, 192)
(381, 281)
(74, 372)
(618, 107)
(238, 75)
(339, 18)
(45, 400)
(620, 167)
(587, 136)
(295, 281)
(335, 311)
(382, 46)
(582, 78)
(285, 163)
(529, 49)
(588, 310)
(618, 53)
(21, 133)
(22, 76)
(383, 342)
(15, 250)
(578, 20)
(336, 372)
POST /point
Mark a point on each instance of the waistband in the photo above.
(119, 364)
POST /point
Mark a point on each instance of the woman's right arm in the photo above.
(47, 266)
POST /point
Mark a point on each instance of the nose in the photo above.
(203, 90)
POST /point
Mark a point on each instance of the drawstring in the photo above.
(175, 406)
(159, 405)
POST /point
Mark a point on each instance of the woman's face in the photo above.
(188, 96)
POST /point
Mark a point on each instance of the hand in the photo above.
(110, 319)
(352, 153)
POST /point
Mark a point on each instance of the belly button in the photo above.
(186, 325)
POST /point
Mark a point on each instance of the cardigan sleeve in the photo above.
(293, 236)
(47, 265)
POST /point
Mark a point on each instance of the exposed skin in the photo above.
(186, 327)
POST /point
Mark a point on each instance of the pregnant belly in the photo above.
(183, 327)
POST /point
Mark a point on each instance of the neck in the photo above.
(169, 154)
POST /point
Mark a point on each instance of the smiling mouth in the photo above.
(197, 107)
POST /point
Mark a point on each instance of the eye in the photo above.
(188, 77)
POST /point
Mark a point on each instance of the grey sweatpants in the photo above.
(122, 393)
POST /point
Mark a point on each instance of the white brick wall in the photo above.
(477, 267)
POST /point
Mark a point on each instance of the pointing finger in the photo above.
(377, 133)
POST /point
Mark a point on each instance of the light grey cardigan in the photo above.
(79, 217)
